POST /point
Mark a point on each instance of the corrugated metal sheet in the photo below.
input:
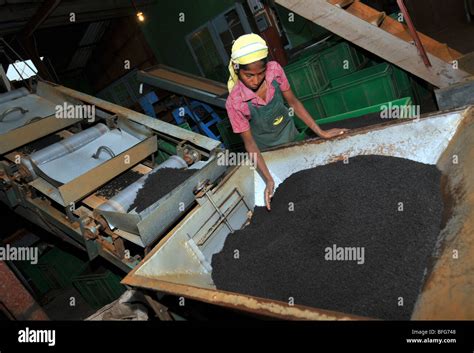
(94, 33)
(91, 37)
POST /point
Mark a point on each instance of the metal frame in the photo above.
(180, 89)
(156, 125)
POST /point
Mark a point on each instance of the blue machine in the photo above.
(147, 101)
(203, 116)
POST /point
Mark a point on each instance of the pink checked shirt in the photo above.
(236, 104)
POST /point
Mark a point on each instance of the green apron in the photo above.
(272, 125)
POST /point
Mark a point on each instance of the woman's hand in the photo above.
(251, 147)
(269, 189)
(327, 134)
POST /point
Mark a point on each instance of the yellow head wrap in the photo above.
(246, 50)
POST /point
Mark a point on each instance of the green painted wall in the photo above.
(166, 34)
(300, 30)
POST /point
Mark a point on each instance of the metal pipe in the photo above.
(36, 118)
(414, 33)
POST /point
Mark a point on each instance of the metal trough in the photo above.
(25, 116)
(181, 262)
(147, 225)
(68, 170)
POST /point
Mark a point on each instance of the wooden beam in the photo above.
(378, 19)
(4, 81)
(466, 63)
(440, 50)
(376, 40)
(43, 12)
(401, 31)
(341, 3)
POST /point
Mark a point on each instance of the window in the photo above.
(233, 31)
(21, 70)
(211, 44)
(207, 55)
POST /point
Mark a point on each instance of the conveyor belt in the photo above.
(185, 84)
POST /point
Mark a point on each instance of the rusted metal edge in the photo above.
(259, 306)
(448, 289)
(370, 128)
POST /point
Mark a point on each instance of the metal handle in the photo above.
(11, 110)
(36, 118)
(103, 148)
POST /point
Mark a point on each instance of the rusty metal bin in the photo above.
(181, 262)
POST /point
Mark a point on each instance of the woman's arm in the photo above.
(253, 150)
(303, 114)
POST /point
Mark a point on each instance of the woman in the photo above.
(255, 104)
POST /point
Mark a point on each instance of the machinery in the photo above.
(179, 82)
(59, 146)
(54, 164)
(181, 262)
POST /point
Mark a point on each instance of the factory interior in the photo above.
(236, 160)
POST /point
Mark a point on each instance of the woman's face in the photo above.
(253, 75)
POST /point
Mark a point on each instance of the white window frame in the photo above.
(211, 26)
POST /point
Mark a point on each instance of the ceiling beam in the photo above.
(14, 17)
(44, 10)
(40, 16)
